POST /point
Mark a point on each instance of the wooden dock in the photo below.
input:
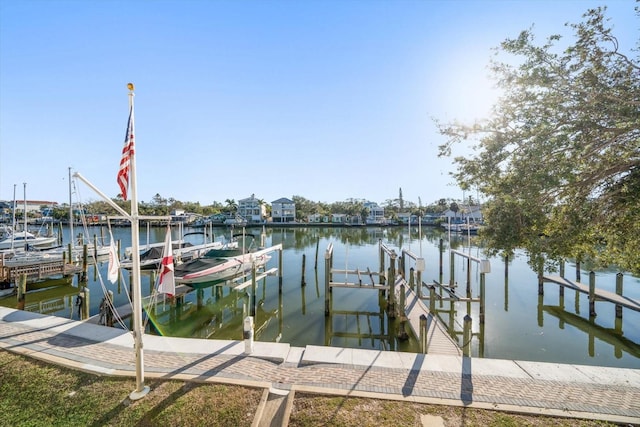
(599, 294)
(37, 270)
(438, 339)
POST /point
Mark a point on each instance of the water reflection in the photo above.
(518, 322)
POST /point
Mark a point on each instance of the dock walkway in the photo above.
(600, 294)
(438, 339)
(590, 392)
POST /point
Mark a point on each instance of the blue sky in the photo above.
(328, 100)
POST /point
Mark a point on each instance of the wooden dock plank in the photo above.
(601, 294)
(438, 339)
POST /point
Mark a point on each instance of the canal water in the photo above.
(519, 324)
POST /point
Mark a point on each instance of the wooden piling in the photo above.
(441, 251)
(469, 277)
(432, 299)
(619, 278)
(253, 289)
(109, 309)
(482, 301)
(22, 291)
(327, 279)
(452, 270)
(382, 268)
(592, 294)
(95, 246)
(411, 279)
(424, 344)
(85, 263)
(466, 336)
(540, 279)
(317, 248)
(506, 266)
(304, 262)
(85, 307)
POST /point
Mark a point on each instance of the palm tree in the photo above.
(232, 206)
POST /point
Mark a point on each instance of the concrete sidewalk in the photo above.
(602, 393)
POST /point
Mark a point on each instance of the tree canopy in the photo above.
(559, 157)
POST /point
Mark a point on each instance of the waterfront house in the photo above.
(339, 218)
(283, 210)
(376, 214)
(253, 210)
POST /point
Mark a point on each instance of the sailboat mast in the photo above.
(13, 219)
(71, 238)
(25, 216)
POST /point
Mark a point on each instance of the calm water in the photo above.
(518, 323)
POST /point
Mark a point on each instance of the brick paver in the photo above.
(613, 402)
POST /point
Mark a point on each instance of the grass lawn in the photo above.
(34, 393)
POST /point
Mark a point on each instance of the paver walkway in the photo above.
(603, 393)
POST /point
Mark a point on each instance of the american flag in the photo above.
(125, 163)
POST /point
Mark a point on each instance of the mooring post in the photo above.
(391, 310)
(304, 262)
(85, 262)
(22, 290)
(577, 271)
(382, 268)
(70, 252)
(506, 266)
(562, 268)
(109, 309)
(411, 279)
(84, 312)
(317, 247)
(420, 267)
(95, 246)
(592, 294)
(540, 279)
(424, 345)
(482, 307)
(619, 278)
(401, 264)
(441, 251)
(254, 289)
(432, 298)
(469, 277)
(451, 269)
(280, 269)
(466, 336)
(327, 278)
(402, 302)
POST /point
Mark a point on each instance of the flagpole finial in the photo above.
(130, 86)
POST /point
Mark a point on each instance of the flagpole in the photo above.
(141, 390)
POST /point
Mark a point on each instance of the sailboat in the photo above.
(12, 241)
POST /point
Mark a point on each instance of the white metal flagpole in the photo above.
(141, 390)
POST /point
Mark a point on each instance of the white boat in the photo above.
(25, 239)
(181, 252)
(219, 268)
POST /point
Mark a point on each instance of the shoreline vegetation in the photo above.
(36, 393)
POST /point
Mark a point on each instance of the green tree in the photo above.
(559, 157)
